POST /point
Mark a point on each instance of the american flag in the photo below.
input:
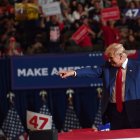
(71, 119)
(12, 126)
(98, 117)
(45, 110)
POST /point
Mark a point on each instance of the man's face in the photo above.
(115, 60)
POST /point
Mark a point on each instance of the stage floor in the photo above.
(90, 134)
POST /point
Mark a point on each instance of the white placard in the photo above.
(132, 13)
(42, 2)
(52, 8)
(37, 121)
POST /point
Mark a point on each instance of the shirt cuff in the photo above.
(75, 73)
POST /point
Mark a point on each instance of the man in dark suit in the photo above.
(121, 97)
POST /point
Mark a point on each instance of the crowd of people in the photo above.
(53, 34)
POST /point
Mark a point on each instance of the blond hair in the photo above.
(114, 49)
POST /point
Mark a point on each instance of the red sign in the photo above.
(80, 34)
(4, 9)
(112, 13)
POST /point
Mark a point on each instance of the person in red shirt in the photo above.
(111, 34)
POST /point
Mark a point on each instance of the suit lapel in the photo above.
(129, 75)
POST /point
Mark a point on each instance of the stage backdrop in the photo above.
(32, 74)
(35, 72)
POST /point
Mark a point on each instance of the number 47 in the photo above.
(35, 121)
(132, 12)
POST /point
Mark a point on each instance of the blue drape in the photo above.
(85, 100)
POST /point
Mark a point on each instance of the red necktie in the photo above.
(119, 90)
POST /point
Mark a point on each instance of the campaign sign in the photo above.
(41, 71)
(52, 8)
(37, 121)
(28, 11)
(131, 13)
(42, 2)
(80, 34)
(112, 13)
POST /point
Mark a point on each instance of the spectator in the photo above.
(37, 47)
(80, 11)
(13, 48)
(53, 34)
(131, 43)
(124, 32)
(111, 34)
(94, 13)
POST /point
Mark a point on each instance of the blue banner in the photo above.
(35, 72)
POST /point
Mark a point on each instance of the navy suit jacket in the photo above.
(132, 86)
